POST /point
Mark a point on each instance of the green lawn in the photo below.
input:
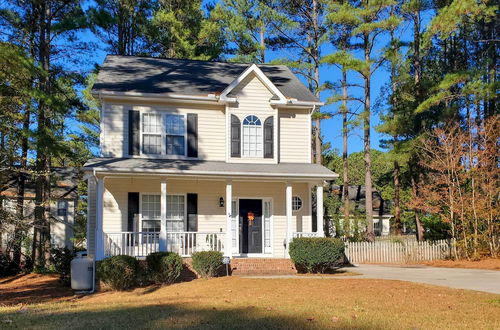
(254, 303)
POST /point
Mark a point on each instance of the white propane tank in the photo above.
(82, 270)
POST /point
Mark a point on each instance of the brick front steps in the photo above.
(262, 266)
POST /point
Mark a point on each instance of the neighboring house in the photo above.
(199, 155)
(62, 207)
(381, 208)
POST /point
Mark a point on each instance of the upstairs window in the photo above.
(175, 131)
(62, 208)
(252, 137)
(151, 137)
(163, 134)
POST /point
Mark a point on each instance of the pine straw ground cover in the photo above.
(248, 303)
(488, 263)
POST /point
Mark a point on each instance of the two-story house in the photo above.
(199, 155)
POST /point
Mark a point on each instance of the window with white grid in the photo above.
(151, 213)
(175, 129)
(252, 136)
(175, 212)
(296, 203)
(151, 133)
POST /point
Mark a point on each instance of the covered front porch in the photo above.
(139, 215)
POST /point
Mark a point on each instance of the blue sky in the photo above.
(331, 128)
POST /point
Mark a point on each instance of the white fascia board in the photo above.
(294, 102)
(268, 83)
(212, 173)
(209, 97)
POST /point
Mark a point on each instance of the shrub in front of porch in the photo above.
(316, 254)
(164, 267)
(118, 272)
(207, 263)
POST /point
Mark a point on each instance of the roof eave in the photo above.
(276, 175)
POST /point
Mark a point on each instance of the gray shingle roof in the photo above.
(64, 182)
(188, 77)
(210, 168)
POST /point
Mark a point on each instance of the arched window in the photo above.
(252, 136)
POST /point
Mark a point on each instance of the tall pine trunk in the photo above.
(41, 237)
(345, 162)
(370, 235)
(415, 177)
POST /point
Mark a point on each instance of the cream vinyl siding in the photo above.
(211, 124)
(253, 99)
(211, 217)
(295, 135)
(114, 130)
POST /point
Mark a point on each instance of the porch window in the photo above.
(151, 213)
(175, 212)
(296, 203)
(151, 133)
(252, 136)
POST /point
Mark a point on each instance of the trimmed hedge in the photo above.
(118, 272)
(207, 263)
(164, 267)
(316, 254)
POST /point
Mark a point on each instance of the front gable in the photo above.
(253, 83)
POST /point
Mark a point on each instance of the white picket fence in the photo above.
(397, 252)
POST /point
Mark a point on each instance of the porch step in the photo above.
(262, 266)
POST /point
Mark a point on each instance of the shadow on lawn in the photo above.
(33, 288)
(171, 316)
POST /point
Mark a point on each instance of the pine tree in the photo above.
(121, 24)
(181, 29)
(245, 24)
(368, 20)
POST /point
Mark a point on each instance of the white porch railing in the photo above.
(305, 234)
(141, 244)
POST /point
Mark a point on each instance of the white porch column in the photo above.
(163, 214)
(319, 210)
(229, 212)
(99, 233)
(289, 225)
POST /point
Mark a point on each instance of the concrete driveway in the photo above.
(460, 278)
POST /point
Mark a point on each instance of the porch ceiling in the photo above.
(209, 168)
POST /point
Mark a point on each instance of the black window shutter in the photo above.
(268, 137)
(192, 212)
(192, 137)
(134, 122)
(235, 137)
(133, 209)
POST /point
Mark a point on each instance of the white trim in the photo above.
(262, 77)
(239, 175)
(208, 97)
(288, 212)
(319, 210)
(229, 240)
(99, 228)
